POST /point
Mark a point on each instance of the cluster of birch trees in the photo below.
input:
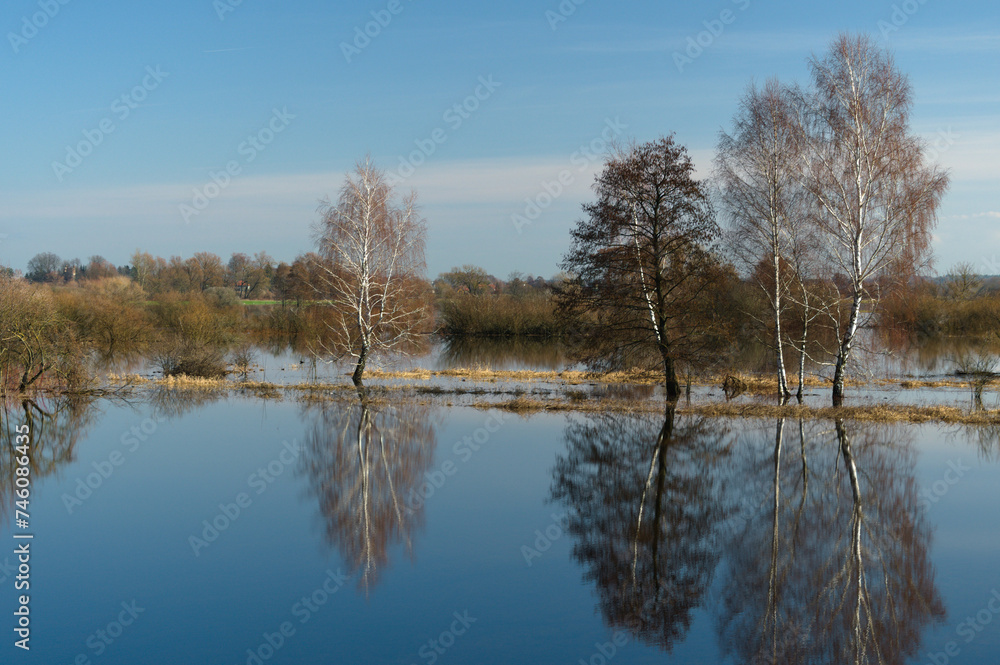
(827, 188)
(827, 199)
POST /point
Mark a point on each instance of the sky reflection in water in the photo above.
(384, 531)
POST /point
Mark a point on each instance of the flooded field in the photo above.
(213, 528)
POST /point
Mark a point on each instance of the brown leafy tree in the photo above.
(205, 270)
(642, 257)
(371, 246)
(99, 268)
(875, 198)
(145, 268)
(255, 273)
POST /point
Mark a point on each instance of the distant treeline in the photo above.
(187, 313)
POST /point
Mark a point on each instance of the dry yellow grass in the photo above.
(568, 377)
(882, 413)
(755, 383)
(942, 383)
(575, 401)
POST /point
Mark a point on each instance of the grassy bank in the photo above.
(903, 413)
(417, 388)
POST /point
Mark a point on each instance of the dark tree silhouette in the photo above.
(643, 501)
(43, 267)
(642, 258)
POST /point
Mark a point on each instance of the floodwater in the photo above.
(187, 528)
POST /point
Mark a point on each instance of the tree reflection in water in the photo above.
(55, 426)
(643, 494)
(834, 567)
(364, 460)
(820, 547)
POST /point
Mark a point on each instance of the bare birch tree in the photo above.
(371, 246)
(758, 169)
(876, 199)
(809, 293)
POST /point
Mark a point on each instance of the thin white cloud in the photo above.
(483, 182)
(989, 214)
(942, 41)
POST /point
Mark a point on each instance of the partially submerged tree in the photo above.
(875, 198)
(758, 168)
(642, 256)
(35, 341)
(370, 266)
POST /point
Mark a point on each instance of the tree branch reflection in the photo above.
(834, 566)
(55, 426)
(643, 496)
(362, 459)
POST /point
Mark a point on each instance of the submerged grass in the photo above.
(568, 377)
(567, 398)
(881, 413)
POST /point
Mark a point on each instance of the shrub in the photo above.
(192, 359)
(500, 315)
(109, 315)
(37, 346)
(221, 297)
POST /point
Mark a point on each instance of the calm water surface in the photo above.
(233, 530)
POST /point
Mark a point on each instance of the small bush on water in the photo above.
(193, 359)
(197, 332)
(243, 357)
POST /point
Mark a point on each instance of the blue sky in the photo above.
(164, 97)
